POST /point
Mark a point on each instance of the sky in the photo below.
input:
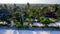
(30, 1)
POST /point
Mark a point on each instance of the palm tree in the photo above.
(53, 8)
(1, 6)
(4, 6)
(28, 5)
(15, 5)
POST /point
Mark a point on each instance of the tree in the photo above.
(18, 24)
(57, 13)
(45, 10)
(45, 21)
(28, 5)
(53, 8)
(4, 17)
(4, 6)
(28, 20)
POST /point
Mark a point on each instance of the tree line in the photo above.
(26, 13)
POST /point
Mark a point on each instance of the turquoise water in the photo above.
(10, 31)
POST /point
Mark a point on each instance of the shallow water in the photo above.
(10, 31)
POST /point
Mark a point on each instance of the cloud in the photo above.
(30, 1)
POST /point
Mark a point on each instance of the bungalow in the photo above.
(34, 20)
(12, 23)
(52, 24)
(33, 24)
(37, 24)
(2, 22)
(58, 23)
(25, 23)
(55, 24)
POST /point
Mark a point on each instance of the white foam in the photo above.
(44, 32)
(34, 32)
(9, 32)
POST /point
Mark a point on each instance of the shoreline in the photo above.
(31, 29)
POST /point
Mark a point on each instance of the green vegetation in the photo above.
(43, 14)
(45, 21)
(19, 25)
(26, 26)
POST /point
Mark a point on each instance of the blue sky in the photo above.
(31, 1)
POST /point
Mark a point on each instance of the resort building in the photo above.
(55, 24)
(37, 24)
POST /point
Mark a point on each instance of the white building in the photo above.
(52, 24)
(12, 23)
(55, 24)
(3, 22)
(25, 23)
(34, 24)
(37, 24)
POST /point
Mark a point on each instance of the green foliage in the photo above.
(30, 12)
(36, 26)
(57, 13)
(1, 25)
(19, 25)
(4, 25)
(4, 17)
(26, 26)
(45, 21)
(28, 20)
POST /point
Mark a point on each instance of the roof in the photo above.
(38, 24)
(55, 24)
